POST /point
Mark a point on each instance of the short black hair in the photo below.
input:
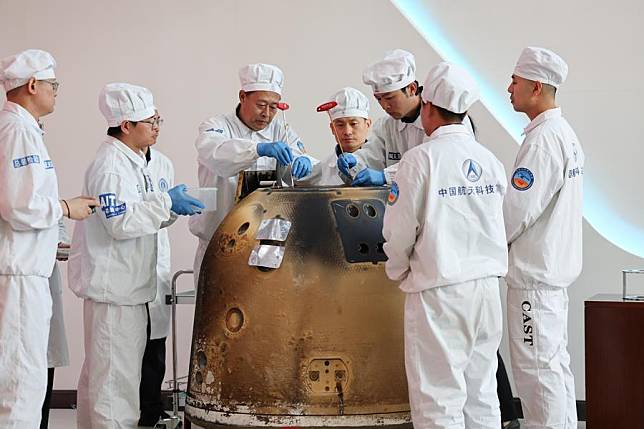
(116, 131)
(418, 88)
(450, 116)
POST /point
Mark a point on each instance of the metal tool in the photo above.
(283, 172)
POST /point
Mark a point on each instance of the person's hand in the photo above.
(301, 167)
(182, 203)
(278, 150)
(79, 208)
(369, 177)
(345, 162)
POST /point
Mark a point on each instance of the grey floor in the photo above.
(66, 419)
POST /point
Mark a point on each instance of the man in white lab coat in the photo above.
(153, 368)
(250, 138)
(113, 259)
(543, 215)
(394, 85)
(29, 214)
(445, 241)
(350, 124)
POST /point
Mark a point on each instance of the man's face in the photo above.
(146, 132)
(521, 93)
(258, 108)
(45, 92)
(398, 103)
(351, 132)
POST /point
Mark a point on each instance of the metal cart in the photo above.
(187, 297)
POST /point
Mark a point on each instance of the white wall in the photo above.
(188, 54)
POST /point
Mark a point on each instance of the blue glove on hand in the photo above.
(301, 167)
(278, 150)
(369, 177)
(182, 203)
(345, 162)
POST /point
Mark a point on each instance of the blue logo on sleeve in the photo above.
(393, 194)
(163, 185)
(26, 160)
(300, 146)
(218, 130)
(472, 170)
(109, 205)
(522, 179)
(48, 164)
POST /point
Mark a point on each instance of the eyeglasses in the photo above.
(154, 122)
(54, 84)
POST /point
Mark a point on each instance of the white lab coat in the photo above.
(225, 146)
(113, 267)
(163, 173)
(389, 140)
(543, 215)
(445, 241)
(57, 350)
(114, 255)
(29, 214)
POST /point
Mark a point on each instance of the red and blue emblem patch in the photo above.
(522, 179)
(393, 194)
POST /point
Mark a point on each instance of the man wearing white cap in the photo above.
(543, 215)
(29, 214)
(113, 259)
(394, 85)
(350, 124)
(250, 138)
(445, 241)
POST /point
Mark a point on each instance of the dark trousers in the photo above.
(44, 421)
(503, 389)
(152, 373)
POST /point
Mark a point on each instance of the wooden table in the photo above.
(614, 336)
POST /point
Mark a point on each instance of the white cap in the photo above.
(451, 87)
(120, 102)
(261, 77)
(395, 71)
(542, 65)
(351, 102)
(16, 70)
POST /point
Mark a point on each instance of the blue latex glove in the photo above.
(301, 167)
(278, 150)
(345, 162)
(369, 177)
(182, 203)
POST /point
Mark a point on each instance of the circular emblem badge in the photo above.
(393, 194)
(522, 179)
(472, 170)
(163, 185)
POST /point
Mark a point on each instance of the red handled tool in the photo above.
(326, 107)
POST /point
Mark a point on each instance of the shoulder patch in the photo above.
(26, 160)
(522, 179)
(109, 205)
(393, 194)
(163, 185)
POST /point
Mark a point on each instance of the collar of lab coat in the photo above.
(417, 123)
(449, 129)
(23, 114)
(265, 134)
(541, 118)
(137, 159)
